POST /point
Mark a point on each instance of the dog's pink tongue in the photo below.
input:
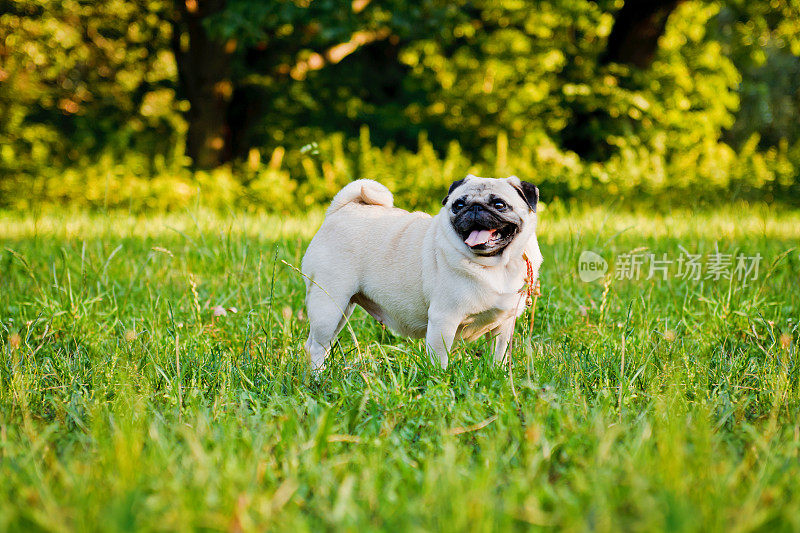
(479, 237)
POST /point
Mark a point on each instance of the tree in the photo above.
(204, 69)
(232, 55)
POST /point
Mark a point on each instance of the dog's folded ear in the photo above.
(453, 186)
(527, 190)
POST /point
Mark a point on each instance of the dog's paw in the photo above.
(317, 366)
(316, 356)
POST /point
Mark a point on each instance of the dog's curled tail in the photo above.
(368, 192)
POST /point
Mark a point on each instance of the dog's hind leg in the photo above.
(328, 311)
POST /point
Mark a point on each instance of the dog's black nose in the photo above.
(475, 214)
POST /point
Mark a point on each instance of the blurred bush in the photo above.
(296, 182)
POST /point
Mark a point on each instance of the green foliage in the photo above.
(763, 40)
(125, 404)
(92, 111)
(291, 181)
(84, 78)
(501, 71)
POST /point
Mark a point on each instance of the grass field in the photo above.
(125, 404)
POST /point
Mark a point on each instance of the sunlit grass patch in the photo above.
(127, 402)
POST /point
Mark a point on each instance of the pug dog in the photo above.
(457, 275)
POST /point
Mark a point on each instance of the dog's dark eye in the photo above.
(458, 204)
(499, 205)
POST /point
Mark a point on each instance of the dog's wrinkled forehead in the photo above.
(482, 188)
(476, 189)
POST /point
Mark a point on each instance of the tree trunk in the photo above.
(204, 80)
(637, 28)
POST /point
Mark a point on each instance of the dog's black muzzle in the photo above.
(478, 216)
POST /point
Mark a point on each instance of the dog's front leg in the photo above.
(441, 333)
(502, 337)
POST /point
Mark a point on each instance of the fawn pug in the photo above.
(457, 275)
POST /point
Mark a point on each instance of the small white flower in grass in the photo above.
(219, 311)
(287, 313)
(233, 310)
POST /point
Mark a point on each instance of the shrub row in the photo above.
(297, 180)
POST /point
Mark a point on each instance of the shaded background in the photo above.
(275, 105)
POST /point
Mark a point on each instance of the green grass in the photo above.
(637, 405)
